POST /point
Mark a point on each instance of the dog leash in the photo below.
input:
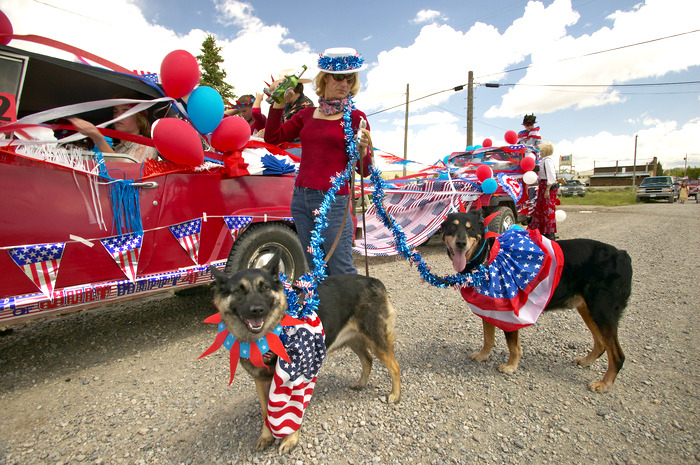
(351, 201)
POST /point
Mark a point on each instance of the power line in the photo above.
(461, 86)
(646, 84)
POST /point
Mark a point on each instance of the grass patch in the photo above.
(609, 197)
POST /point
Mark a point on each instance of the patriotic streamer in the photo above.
(512, 186)
(125, 251)
(188, 235)
(40, 263)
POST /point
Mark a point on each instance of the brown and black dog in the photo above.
(596, 279)
(354, 309)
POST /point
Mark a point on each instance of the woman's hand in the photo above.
(363, 143)
(86, 128)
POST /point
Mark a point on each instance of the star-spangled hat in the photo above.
(341, 60)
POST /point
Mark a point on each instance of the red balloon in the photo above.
(511, 137)
(178, 142)
(527, 163)
(231, 134)
(483, 172)
(179, 73)
(5, 28)
(487, 143)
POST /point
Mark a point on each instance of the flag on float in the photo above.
(293, 383)
(237, 224)
(40, 263)
(511, 185)
(524, 269)
(188, 235)
(125, 251)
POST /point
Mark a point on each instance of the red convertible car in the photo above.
(78, 229)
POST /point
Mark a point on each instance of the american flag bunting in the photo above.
(40, 263)
(188, 235)
(125, 251)
(237, 224)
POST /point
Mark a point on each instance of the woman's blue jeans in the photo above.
(304, 202)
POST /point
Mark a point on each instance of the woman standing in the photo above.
(544, 217)
(322, 135)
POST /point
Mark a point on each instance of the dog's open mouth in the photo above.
(255, 325)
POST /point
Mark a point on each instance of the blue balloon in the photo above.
(205, 109)
(470, 148)
(489, 186)
(517, 227)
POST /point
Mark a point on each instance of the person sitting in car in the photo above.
(136, 124)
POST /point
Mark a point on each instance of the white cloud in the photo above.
(427, 16)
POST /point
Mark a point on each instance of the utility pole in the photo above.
(405, 134)
(634, 165)
(470, 109)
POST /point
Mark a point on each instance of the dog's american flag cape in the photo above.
(298, 363)
(294, 381)
(524, 269)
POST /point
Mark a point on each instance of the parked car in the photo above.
(693, 185)
(657, 188)
(69, 232)
(572, 187)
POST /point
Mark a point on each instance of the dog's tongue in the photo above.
(459, 261)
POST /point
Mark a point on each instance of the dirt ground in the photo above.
(122, 384)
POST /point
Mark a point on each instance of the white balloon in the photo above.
(560, 215)
(530, 177)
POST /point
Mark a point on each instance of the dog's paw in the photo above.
(264, 441)
(599, 386)
(507, 369)
(289, 443)
(479, 356)
(584, 361)
(393, 398)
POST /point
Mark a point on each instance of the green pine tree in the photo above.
(212, 75)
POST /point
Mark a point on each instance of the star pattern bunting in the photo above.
(237, 224)
(188, 235)
(40, 263)
(125, 250)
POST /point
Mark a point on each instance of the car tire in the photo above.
(502, 221)
(260, 242)
(671, 199)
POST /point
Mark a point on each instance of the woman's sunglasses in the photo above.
(339, 77)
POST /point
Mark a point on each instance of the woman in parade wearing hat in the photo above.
(322, 135)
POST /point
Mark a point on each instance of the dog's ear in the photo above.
(273, 266)
(218, 275)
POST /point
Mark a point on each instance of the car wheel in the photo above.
(260, 242)
(502, 221)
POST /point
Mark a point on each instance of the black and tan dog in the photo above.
(354, 309)
(596, 279)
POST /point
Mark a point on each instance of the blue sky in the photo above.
(431, 46)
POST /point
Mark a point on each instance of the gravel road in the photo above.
(123, 385)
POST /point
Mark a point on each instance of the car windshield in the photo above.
(497, 158)
(656, 181)
(573, 182)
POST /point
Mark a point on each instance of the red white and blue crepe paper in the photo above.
(125, 251)
(188, 235)
(524, 269)
(237, 224)
(276, 165)
(512, 186)
(40, 263)
(294, 380)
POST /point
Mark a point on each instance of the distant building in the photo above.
(622, 175)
